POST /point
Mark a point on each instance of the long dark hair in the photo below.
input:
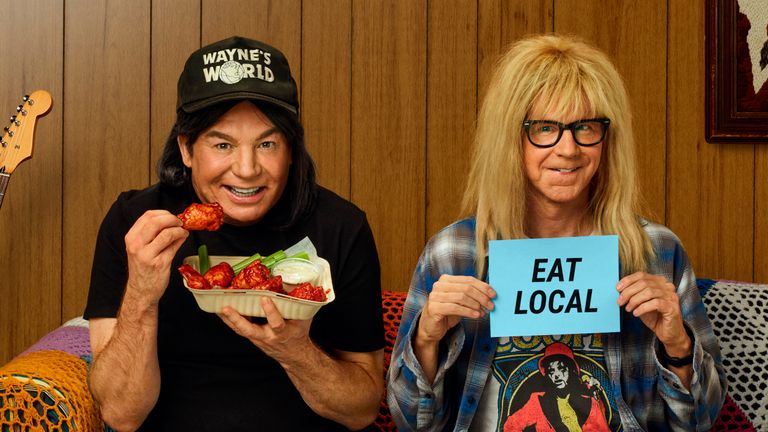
(301, 189)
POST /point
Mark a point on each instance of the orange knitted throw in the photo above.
(47, 390)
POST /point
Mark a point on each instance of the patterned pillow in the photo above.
(738, 313)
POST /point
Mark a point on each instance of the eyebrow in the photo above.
(222, 135)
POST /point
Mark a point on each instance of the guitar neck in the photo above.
(17, 137)
(4, 177)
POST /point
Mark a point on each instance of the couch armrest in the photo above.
(46, 387)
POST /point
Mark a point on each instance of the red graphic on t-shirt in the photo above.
(563, 402)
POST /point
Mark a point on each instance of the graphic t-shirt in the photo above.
(548, 383)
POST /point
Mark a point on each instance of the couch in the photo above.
(45, 388)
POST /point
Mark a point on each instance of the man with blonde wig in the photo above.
(554, 157)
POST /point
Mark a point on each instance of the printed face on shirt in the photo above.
(241, 162)
(560, 174)
(558, 373)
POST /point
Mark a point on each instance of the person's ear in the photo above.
(186, 156)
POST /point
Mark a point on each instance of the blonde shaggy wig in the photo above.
(564, 74)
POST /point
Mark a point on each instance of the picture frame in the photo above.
(736, 91)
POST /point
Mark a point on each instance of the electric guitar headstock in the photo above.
(17, 139)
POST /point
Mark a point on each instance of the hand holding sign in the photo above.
(453, 298)
(654, 300)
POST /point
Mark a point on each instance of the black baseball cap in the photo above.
(236, 68)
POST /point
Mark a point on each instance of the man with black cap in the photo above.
(159, 362)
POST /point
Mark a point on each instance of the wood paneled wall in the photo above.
(389, 93)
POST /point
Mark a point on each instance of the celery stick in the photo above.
(202, 256)
(272, 259)
(268, 261)
(301, 255)
(278, 256)
(237, 268)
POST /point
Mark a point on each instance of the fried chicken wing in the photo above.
(256, 276)
(220, 275)
(308, 292)
(199, 217)
(274, 283)
(193, 278)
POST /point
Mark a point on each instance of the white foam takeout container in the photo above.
(248, 302)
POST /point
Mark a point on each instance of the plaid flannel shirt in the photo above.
(649, 396)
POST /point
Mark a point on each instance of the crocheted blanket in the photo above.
(738, 313)
(45, 387)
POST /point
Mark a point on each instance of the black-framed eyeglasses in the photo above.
(547, 133)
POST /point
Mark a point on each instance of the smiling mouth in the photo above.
(244, 192)
(564, 170)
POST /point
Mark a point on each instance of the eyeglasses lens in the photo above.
(585, 133)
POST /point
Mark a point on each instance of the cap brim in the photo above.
(190, 107)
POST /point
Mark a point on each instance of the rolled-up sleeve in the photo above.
(698, 408)
(415, 403)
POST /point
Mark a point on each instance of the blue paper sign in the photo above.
(553, 286)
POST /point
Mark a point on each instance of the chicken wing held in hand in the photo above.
(199, 217)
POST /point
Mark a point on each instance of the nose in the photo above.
(246, 163)
(567, 145)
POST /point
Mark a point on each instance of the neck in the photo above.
(550, 219)
(4, 177)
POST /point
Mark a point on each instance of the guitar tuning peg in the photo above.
(14, 121)
(25, 98)
(18, 108)
(5, 144)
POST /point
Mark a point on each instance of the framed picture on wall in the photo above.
(736, 70)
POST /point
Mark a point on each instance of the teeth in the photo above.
(567, 170)
(244, 192)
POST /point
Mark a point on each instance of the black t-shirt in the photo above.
(211, 378)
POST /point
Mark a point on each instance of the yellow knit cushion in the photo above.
(47, 390)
